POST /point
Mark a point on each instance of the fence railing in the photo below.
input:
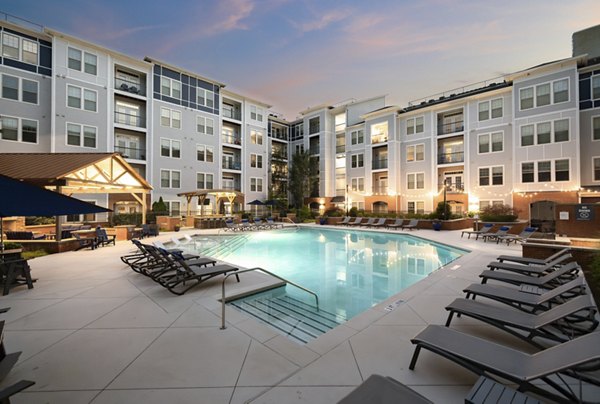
(379, 164)
(452, 127)
(131, 152)
(447, 158)
(130, 86)
(237, 140)
(130, 119)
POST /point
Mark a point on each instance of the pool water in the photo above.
(350, 271)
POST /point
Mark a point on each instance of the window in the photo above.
(314, 125)
(10, 87)
(484, 177)
(596, 128)
(596, 165)
(491, 143)
(205, 126)
(497, 108)
(170, 87)
(561, 130)
(9, 129)
(415, 153)
(30, 52)
(560, 90)
(416, 207)
(544, 171)
(358, 184)
(357, 136)
(379, 132)
(542, 95)
(170, 179)
(256, 113)
(77, 59)
(170, 148)
(170, 118)
(256, 137)
(485, 204)
(415, 181)
(29, 130)
(596, 87)
(90, 63)
(527, 135)
(256, 184)
(358, 160)
(256, 161)
(89, 100)
(414, 125)
(498, 175)
(543, 133)
(527, 172)
(29, 91)
(561, 170)
(526, 98)
(484, 111)
(205, 153)
(204, 181)
(74, 98)
(205, 98)
(74, 59)
(10, 46)
(173, 207)
(81, 135)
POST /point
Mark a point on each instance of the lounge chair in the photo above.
(369, 222)
(258, 223)
(379, 223)
(272, 223)
(484, 229)
(13, 389)
(530, 269)
(532, 261)
(383, 390)
(345, 221)
(517, 238)
(397, 224)
(159, 244)
(231, 226)
(245, 225)
(356, 222)
(411, 225)
(502, 231)
(103, 239)
(572, 358)
(528, 302)
(550, 280)
(561, 323)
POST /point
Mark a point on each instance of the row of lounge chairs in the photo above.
(379, 223)
(256, 224)
(172, 269)
(544, 302)
(501, 235)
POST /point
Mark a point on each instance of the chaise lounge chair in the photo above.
(532, 261)
(231, 226)
(572, 358)
(356, 222)
(369, 222)
(561, 323)
(502, 231)
(528, 302)
(344, 221)
(272, 223)
(550, 280)
(379, 223)
(411, 225)
(530, 269)
(517, 238)
(484, 229)
(397, 224)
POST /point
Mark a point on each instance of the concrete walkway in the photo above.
(92, 330)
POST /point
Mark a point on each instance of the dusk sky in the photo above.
(298, 54)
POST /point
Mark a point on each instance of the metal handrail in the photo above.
(265, 271)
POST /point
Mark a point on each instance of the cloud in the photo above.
(322, 21)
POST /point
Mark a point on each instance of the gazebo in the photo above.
(77, 173)
(218, 194)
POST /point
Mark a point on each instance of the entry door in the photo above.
(453, 181)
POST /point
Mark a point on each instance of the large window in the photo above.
(491, 176)
(596, 167)
(596, 127)
(205, 153)
(314, 125)
(357, 136)
(256, 160)
(10, 46)
(416, 207)
(170, 179)
(256, 137)
(82, 61)
(29, 91)
(357, 160)
(561, 170)
(596, 86)
(495, 106)
(544, 94)
(491, 142)
(527, 172)
(544, 171)
(379, 132)
(415, 153)
(256, 113)
(15, 47)
(204, 181)
(90, 98)
(415, 181)
(18, 129)
(526, 98)
(170, 148)
(357, 184)
(545, 132)
(81, 135)
(414, 125)
(205, 98)
(256, 184)
(170, 88)
(205, 126)
(10, 87)
(170, 118)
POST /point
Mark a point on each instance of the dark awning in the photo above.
(338, 199)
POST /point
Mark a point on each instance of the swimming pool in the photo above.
(350, 271)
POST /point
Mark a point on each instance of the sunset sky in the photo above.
(297, 54)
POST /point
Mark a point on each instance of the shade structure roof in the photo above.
(75, 172)
(214, 192)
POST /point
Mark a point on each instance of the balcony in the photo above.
(451, 127)
(380, 190)
(454, 188)
(340, 148)
(379, 139)
(279, 155)
(130, 86)
(232, 164)
(313, 149)
(234, 187)
(131, 153)
(379, 164)
(231, 139)
(451, 158)
(125, 118)
(279, 175)
(231, 112)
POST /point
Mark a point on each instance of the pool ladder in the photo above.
(287, 281)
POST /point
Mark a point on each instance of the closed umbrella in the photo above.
(19, 198)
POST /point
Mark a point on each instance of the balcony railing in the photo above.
(380, 190)
(124, 118)
(131, 153)
(452, 127)
(340, 192)
(379, 139)
(237, 140)
(232, 165)
(279, 155)
(378, 164)
(448, 158)
(279, 175)
(229, 112)
(278, 135)
(452, 188)
(130, 86)
(340, 148)
(313, 150)
(235, 187)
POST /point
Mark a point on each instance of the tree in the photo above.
(301, 181)
(159, 206)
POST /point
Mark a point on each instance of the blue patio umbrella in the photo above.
(256, 202)
(19, 198)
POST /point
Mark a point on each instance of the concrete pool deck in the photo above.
(94, 331)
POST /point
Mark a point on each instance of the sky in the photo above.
(296, 54)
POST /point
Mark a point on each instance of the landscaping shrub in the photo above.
(38, 220)
(499, 213)
(33, 254)
(334, 212)
(12, 246)
(353, 212)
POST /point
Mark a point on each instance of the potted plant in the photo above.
(436, 224)
(176, 227)
(323, 220)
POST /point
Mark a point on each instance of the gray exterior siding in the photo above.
(589, 148)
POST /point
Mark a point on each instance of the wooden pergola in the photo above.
(202, 194)
(77, 173)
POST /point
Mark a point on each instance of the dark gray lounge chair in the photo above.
(574, 358)
(344, 221)
(551, 280)
(561, 323)
(530, 269)
(356, 222)
(369, 222)
(396, 225)
(502, 231)
(378, 389)
(517, 238)
(380, 222)
(484, 229)
(528, 302)
(411, 225)
(532, 261)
